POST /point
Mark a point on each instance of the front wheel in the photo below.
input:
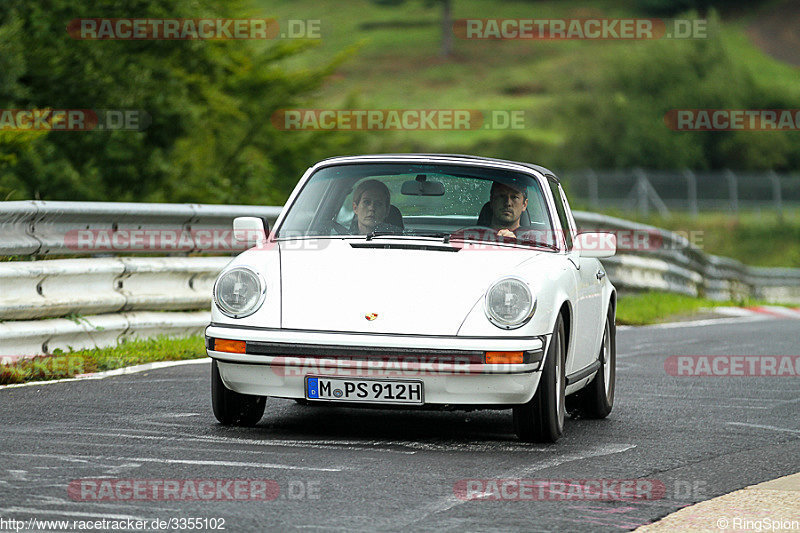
(542, 418)
(232, 408)
(597, 399)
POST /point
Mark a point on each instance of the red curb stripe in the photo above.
(770, 312)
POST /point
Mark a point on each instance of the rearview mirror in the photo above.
(250, 231)
(422, 187)
(596, 244)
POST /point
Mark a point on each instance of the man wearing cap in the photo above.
(508, 202)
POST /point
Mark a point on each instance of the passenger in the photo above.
(370, 206)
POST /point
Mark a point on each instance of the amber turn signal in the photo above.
(499, 358)
(227, 345)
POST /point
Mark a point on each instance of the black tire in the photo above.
(597, 399)
(542, 418)
(232, 408)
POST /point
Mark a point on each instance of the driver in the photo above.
(370, 206)
(508, 202)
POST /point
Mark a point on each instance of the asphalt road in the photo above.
(364, 470)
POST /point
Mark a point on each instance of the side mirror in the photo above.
(596, 244)
(250, 231)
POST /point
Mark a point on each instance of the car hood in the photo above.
(331, 286)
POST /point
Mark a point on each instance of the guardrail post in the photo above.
(646, 193)
(733, 190)
(691, 184)
(640, 191)
(594, 197)
(776, 193)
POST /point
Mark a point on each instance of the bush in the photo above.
(618, 120)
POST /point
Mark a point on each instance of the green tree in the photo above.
(210, 139)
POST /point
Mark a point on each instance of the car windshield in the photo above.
(450, 202)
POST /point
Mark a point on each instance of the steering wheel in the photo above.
(481, 233)
(333, 227)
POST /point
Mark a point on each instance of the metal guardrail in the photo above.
(21, 339)
(674, 265)
(109, 299)
(52, 228)
(43, 289)
(104, 300)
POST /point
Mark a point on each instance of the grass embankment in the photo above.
(634, 309)
(755, 239)
(654, 307)
(71, 364)
(397, 64)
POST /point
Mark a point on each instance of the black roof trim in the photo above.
(466, 157)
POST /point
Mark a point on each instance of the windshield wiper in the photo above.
(433, 234)
(372, 234)
(538, 244)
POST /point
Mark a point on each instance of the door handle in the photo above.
(600, 274)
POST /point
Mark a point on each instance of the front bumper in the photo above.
(278, 361)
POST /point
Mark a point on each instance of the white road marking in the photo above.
(351, 445)
(9, 510)
(421, 514)
(739, 315)
(707, 322)
(117, 470)
(734, 311)
(741, 407)
(691, 398)
(129, 504)
(760, 426)
(232, 463)
(19, 475)
(86, 459)
(110, 373)
(374, 445)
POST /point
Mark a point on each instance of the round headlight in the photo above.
(239, 292)
(509, 303)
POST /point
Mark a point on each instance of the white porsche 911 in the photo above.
(418, 281)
